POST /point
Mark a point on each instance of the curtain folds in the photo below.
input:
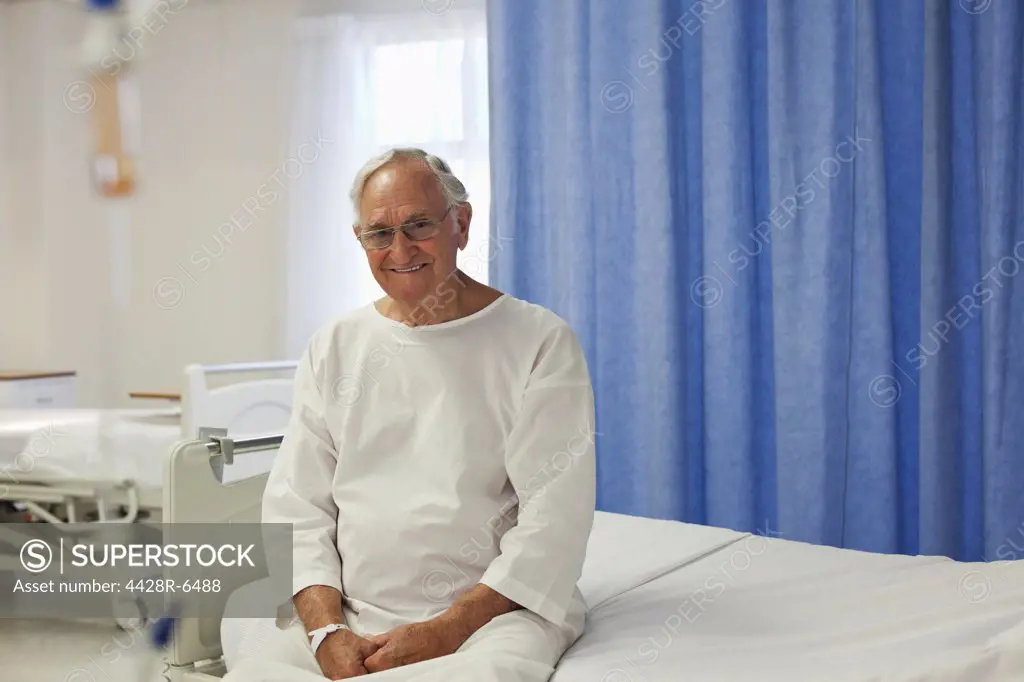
(789, 234)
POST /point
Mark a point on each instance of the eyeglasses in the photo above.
(418, 231)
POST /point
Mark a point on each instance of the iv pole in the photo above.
(115, 149)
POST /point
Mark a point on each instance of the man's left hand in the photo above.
(411, 644)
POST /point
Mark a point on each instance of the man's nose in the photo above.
(402, 248)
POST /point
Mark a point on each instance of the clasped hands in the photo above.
(345, 654)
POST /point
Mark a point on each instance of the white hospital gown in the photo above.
(421, 461)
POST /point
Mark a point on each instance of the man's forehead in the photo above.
(402, 191)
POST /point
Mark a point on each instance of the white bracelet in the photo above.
(318, 636)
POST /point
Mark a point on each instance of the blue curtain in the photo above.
(789, 234)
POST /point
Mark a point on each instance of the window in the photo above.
(414, 78)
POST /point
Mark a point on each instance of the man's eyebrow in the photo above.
(411, 218)
(416, 216)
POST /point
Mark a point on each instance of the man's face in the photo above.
(402, 193)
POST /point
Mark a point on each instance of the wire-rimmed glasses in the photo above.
(417, 231)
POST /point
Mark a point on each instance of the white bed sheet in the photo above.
(92, 445)
(19, 427)
(770, 610)
(672, 601)
(623, 553)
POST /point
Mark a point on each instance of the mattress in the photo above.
(623, 553)
(673, 601)
(92, 445)
(772, 610)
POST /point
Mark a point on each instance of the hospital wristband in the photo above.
(318, 636)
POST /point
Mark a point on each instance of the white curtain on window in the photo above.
(367, 83)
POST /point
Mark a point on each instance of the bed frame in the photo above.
(195, 654)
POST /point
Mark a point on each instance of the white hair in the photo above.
(454, 191)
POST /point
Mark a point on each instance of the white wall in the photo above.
(216, 93)
(23, 334)
(6, 238)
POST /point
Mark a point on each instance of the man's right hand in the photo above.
(342, 653)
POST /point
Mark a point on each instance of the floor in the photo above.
(60, 651)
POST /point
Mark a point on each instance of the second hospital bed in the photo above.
(86, 462)
(674, 601)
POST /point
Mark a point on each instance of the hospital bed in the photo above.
(108, 466)
(77, 465)
(674, 601)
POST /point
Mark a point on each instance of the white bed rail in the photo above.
(228, 448)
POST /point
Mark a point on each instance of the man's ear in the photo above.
(463, 218)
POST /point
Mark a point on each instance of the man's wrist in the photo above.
(344, 636)
(454, 627)
(473, 610)
(318, 636)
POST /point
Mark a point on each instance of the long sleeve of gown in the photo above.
(550, 462)
(299, 487)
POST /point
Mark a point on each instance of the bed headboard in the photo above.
(192, 495)
(246, 408)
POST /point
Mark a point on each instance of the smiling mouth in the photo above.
(415, 268)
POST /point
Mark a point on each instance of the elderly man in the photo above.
(439, 466)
